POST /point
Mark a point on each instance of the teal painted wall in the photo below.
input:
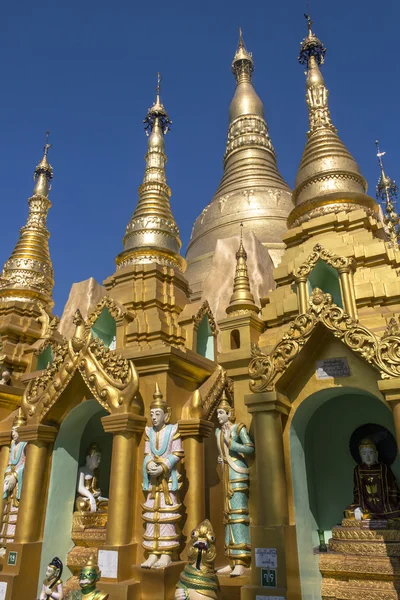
(105, 327)
(326, 278)
(205, 340)
(45, 358)
(322, 468)
(83, 420)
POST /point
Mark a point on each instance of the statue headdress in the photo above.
(159, 402)
(367, 443)
(225, 405)
(19, 418)
(58, 567)
(93, 449)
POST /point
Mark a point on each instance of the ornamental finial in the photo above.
(242, 64)
(311, 46)
(386, 192)
(157, 113)
(47, 146)
(242, 299)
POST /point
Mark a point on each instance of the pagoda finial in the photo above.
(28, 273)
(152, 234)
(242, 299)
(242, 64)
(387, 191)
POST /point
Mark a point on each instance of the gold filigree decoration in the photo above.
(204, 310)
(392, 328)
(115, 310)
(111, 379)
(382, 353)
(320, 253)
(211, 400)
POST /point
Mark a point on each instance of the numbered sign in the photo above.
(268, 578)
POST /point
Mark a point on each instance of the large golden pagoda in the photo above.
(158, 464)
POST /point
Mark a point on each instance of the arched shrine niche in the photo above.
(322, 467)
(81, 427)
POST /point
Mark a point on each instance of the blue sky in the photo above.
(86, 71)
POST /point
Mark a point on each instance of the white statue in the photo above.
(5, 376)
(89, 494)
(13, 478)
(162, 453)
(52, 585)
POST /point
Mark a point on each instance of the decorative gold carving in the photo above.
(379, 535)
(112, 380)
(211, 400)
(49, 324)
(113, 308)
(365, 548)
(392, 328)
(320, 253)
(382, 353)
(82, 521)
(205, 309)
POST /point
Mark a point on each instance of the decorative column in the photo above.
(127, 429)
(302, 294)
(348, 296)
(270, 521)
(32, 506)
(390, 388)
(193, 432)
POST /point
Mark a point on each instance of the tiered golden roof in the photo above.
(28, 273)
(152, 234)
(252, 190)
(328, 179)
(242, 300)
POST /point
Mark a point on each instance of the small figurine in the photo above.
(89, 576)
(161, 511)
(376, 494)
(89, 494)
(52, 584)
(5, 376)
(234, 444)
(198, 580)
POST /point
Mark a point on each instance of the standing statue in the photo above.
(234, 442)
(162, 453)
(52, 584)
(88, 578)
(376, 494)
(89, 494)
(198, 580)
(13, 477)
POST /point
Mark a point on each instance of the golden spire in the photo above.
(242, 299)
(28, 273)
(386, 191)
(152, 234)
(328, 179)
(245, 101)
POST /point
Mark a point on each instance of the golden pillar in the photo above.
(193, 432)
(34, 490)
(126, 429)
(390, 389)
(270, 523)
(302, 294)
(348, 292)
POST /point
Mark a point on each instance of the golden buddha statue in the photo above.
(88, 578)
(376, 494)
(89, 494)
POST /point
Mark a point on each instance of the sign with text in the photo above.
(12, 558)
(266, 557)
(268, 578)
(332, 368)
(108, 563)
(270, 598)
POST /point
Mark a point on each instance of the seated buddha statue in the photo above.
(89, 494)
(376, 494)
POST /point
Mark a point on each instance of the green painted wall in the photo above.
(105, 327)
(45, 358)
(322, 468)
(82, 422)
(205, 340)
(326, 278)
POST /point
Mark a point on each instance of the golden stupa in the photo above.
(158, 464)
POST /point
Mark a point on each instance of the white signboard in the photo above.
(3, 590)
(266, 557)
(108, 563)
(270, 598)
(332, 368)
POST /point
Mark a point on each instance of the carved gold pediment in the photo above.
(111, 379)
(115, 309)
(381, 353)
(204, 401)
(205, 309)
(320, 253)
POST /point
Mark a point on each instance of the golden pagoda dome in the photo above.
(152, 234)
(328, 179)
(251, 191)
